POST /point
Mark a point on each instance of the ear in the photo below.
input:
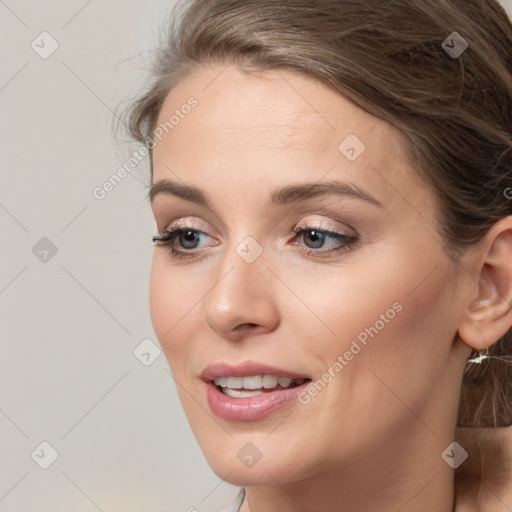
(488, 315)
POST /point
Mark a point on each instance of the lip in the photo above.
(251, 408)
(247, 369)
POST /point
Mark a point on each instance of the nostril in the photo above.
(247, 325)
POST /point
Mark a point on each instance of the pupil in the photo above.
(189, 236)
(318, 237)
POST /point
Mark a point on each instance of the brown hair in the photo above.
(386, 57)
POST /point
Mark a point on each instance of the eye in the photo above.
(317, 237)
(187, 237)
(314, 239)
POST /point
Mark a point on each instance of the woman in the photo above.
(332, 276)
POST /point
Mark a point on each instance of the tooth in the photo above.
(235, 393)
(269, 381)
(234, 382)
(256, 382)
(253, 382)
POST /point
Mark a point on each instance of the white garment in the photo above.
(235, 507)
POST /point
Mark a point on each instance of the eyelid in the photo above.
(307, 207)
(186, 222)
(322, 224)
(182, 212)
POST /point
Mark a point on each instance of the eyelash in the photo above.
(167, 236)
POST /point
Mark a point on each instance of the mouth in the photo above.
(255, 385)
(250, 391)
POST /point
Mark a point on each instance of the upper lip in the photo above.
(247, 369)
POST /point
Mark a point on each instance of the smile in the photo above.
(255, 385)
(250, 391)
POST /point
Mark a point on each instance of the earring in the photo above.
(478, 359)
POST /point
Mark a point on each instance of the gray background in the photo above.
(70, 321)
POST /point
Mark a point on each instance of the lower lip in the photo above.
(251, 408)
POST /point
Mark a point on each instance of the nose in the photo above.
(241, 301)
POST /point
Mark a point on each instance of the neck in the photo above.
(484, 483)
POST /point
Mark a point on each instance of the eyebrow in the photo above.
(281, 196)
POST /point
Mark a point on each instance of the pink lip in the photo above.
(252, 408)
(247, 369)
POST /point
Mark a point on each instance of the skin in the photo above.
(372, 438)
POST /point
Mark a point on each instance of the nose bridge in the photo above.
(242, 291)
(241, 274)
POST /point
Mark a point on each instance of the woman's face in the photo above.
(368, 319)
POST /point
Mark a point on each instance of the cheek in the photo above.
(171, 304)
(369, 300)
(394, 328)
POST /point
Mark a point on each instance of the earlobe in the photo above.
(489, 312)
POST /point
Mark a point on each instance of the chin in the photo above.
(243, 462)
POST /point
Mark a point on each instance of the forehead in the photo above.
(284, 110)
(274, 123)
